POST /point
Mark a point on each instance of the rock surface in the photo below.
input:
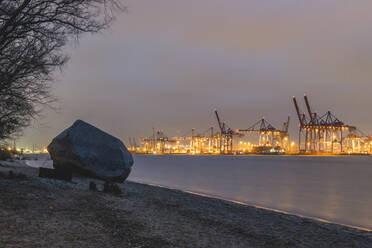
(87, 150)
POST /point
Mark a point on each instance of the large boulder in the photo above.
(87, 150)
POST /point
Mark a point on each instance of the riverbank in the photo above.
(38, 212)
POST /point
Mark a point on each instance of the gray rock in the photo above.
(87, 150)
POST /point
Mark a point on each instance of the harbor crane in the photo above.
(226, 136)
(321, 133)
(269, 136)
(265, 130)
(286, 126)
(284, 134)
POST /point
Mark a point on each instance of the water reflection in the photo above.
(333, 188)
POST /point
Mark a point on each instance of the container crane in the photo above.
(226, 136)
(321, 133)
(284, 134)
(267, 132)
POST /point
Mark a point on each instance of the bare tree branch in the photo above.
(33, 34)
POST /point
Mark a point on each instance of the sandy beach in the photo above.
(38, 212)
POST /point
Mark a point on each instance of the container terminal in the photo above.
(318, 134)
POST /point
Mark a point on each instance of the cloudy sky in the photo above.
(168, 63)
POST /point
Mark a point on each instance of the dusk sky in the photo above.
(168, 63)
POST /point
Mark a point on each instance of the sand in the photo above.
(38, 212)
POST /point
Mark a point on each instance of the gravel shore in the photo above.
(37, 212)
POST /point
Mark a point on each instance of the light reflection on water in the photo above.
(334, 188)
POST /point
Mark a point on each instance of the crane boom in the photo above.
(286, 124)
(298, 111)
(219, 121)
(309, 109)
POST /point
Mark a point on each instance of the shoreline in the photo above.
(323, 220)
(42, 212)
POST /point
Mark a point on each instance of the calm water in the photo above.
(333, 188)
